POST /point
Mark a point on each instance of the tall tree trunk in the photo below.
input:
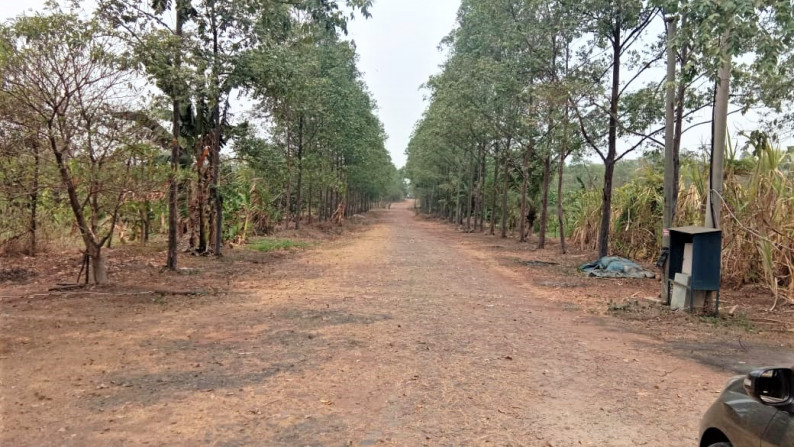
(477, 192)
(481, 189)
(505, 189)
(217, 198)
(34, 199)
(328, 205)
(217, 201)
(670, 160)
(192, 201)
(612, 140)
(471, 192)
(309, 202)
(299, 188)
(476, 212)
(495, 188)
(606, 207)
(458, 206)
(560, 172)
(337, 193)
(347, 200)
(146, 221)
(173, 187)
(288, 188)
(544, 202)
(679, 123)
(448, 209)
(524, 186)
(202, 217)
(97, 273)
(173, 192)
(321, 205)
(563, 152)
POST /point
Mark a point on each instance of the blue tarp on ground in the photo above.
(615, 267)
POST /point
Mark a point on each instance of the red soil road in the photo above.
(394, 337)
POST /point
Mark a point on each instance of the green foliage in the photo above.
(739, 320)
(62, 104)
(268, 245)
(325, 134)
(318, 146)
(529, 83)
(757, 204)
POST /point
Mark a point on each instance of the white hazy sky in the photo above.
(398, 50)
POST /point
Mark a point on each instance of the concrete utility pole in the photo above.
(714, 197)
(670, 161)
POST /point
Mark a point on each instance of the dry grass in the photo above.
(757, 216)
(758, 221)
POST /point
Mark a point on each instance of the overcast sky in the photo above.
(398, 47)
(398, 50)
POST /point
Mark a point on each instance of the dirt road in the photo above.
(396, 337)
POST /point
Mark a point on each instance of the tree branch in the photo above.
(586, 135)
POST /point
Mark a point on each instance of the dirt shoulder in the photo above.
(406, 333)
(635, 303)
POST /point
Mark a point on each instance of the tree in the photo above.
(23, 166)
(67, 87)
(617, 28)
(160, 48)
(322, 121)
(498, 90)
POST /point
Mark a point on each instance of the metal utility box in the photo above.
(696, 252)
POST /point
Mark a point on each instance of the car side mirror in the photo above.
(771, 386)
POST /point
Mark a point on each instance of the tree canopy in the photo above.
(102, 105)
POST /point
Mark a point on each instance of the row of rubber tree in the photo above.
(206, 120)
(529, 85)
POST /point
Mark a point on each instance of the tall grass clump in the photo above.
(757, 214)
(636, 214)
(758, 220)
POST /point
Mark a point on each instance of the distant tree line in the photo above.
(123, 124)
(530, 85)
